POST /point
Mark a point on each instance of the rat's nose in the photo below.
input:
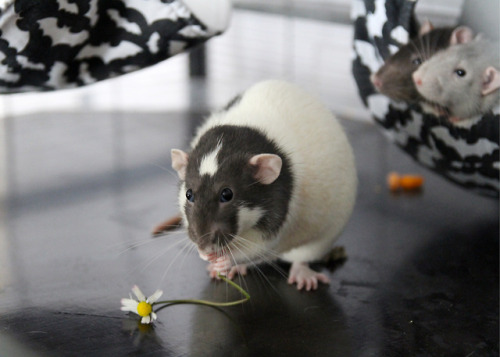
(416, 79)
(377, 82)
(207, 254)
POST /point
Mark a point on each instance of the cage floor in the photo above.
(84, 189)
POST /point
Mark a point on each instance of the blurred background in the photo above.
(305, 41)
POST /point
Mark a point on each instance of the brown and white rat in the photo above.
(271, 176)
(393, 79)
(463, 80)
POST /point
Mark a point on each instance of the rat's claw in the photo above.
(305, 277)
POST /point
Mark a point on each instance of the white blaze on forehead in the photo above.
(248, 218)
(209, 165)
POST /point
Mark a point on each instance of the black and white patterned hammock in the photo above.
(466, 156)
(54, 44)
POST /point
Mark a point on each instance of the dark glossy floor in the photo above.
(84, 190)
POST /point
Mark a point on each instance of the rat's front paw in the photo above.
(240, 269)
(221, 265)
(229, 271)
(305, 277)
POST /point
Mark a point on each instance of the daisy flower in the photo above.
(141, 306)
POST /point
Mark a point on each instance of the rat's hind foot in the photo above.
(305, 277)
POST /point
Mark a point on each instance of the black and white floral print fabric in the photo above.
(54, 44)
(468, 156)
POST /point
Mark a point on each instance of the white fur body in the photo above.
(322, 164)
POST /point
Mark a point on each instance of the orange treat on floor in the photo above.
(411, 182)
(405, 182)
(393, 181)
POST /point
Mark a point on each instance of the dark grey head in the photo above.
(234, 180)
(394, 79)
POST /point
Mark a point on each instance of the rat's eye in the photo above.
(460, 72)
(226, 195)
(417, 61)
(190, 195)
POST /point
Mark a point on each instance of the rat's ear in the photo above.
(426, 27)
(268, 167)
(491, 80)
(461, 34)
(179, 162)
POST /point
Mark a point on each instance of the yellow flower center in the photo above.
(144, 308)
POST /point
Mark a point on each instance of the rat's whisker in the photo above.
(256, 246)
(235, 262)
(133, 244)
(266, 255)
(157, 256)
(191, 247)
(257, 268)
(166, 169)
(187, 246)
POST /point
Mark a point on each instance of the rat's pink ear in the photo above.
(461, 34)
(179, 162)
(268, 167)
(426, 27)
(491, 80)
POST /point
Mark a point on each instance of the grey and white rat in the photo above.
(393, 79)
(463, 80)
(271, 176)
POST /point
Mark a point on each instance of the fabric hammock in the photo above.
(54, 44)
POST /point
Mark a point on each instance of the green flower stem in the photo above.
(211, 303)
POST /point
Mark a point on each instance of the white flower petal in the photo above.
(146, 320)
(126, 301)
(156, 295)
(153, 316)
(138, 293)
(129, 305)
